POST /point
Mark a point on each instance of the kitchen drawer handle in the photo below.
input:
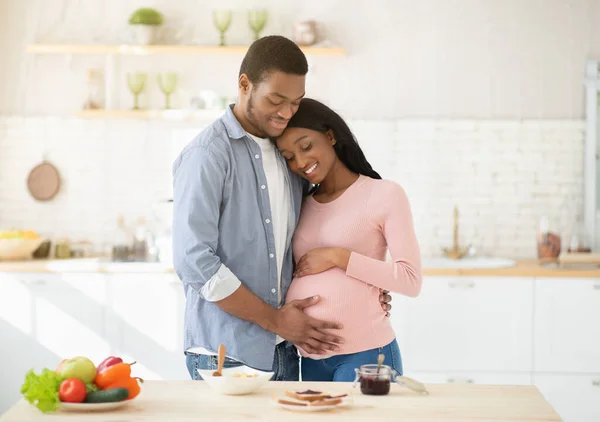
(596, 383)
(461, 284)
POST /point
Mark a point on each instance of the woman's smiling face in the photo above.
(307, 152)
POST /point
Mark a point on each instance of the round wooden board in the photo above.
(43, 181)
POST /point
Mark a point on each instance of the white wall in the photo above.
(502, 175)
(476, 103)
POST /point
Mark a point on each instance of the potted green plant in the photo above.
(145, 21)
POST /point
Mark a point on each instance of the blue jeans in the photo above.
(286, 365)
(341, 367)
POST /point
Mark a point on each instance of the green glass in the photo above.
(136, 83)
(167, 83)
(222, 21)
(257, 19)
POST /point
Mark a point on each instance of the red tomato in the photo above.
(72, 390)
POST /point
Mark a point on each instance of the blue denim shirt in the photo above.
(221, 216)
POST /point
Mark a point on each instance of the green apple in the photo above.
(79, 367)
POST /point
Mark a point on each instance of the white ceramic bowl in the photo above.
(230, 384)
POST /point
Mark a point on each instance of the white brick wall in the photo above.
(503, 175)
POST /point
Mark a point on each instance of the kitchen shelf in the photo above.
(112, 52)
(143, 50)
(150, 114)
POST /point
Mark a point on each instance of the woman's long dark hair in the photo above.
(317, 116)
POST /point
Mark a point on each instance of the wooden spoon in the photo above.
(380, 359)
(219, 370)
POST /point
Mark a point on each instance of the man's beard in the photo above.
(250, 115)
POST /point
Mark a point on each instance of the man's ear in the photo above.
(331, 136)
(244, 84)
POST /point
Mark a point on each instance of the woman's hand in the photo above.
(321, 259)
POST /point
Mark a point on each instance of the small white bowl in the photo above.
(230, 384)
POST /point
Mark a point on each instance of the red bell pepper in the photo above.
(109, 361)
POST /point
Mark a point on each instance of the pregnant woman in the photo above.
(348, 223)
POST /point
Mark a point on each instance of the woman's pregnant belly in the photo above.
(348, 301)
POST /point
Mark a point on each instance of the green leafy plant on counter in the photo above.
(42, 390)
(146, 16)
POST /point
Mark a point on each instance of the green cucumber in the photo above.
(107, 396)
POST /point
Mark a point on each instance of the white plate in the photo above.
(93, 407)
(345, 402)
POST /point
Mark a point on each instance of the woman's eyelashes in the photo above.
(304, 148)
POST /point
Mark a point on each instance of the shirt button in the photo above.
(262, 186)
(257, 156)
(273, 290)
(267, 221)
(271, 255)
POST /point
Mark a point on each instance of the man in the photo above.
(236, 206)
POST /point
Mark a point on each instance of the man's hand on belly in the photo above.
(384, 300)
(306, 332)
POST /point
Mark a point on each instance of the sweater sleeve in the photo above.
(404, 274)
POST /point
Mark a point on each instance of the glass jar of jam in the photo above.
(374, 380)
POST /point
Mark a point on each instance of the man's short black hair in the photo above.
(273, 53)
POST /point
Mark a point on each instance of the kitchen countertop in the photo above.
(522, 268)
(194, 401)
(82, 265)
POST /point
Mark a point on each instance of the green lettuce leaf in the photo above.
(42, 390)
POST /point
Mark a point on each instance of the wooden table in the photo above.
(162, 401)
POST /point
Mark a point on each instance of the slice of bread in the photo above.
(307, 395)
(293, 403)
(325, 402)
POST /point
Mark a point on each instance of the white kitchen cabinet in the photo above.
(146, 318)
(44, 318)
(467, 324)
(70, 314)
(493, 378)
(62, 313)
(567, 325)
(576, 398)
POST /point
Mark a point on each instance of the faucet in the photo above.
(456, 252)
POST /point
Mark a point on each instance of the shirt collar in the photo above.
(232, 126)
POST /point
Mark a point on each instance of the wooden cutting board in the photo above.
(579, 258)
(43, 181)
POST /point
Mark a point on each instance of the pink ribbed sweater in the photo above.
(369, 218)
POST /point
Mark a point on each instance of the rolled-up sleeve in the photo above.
(198, 179)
